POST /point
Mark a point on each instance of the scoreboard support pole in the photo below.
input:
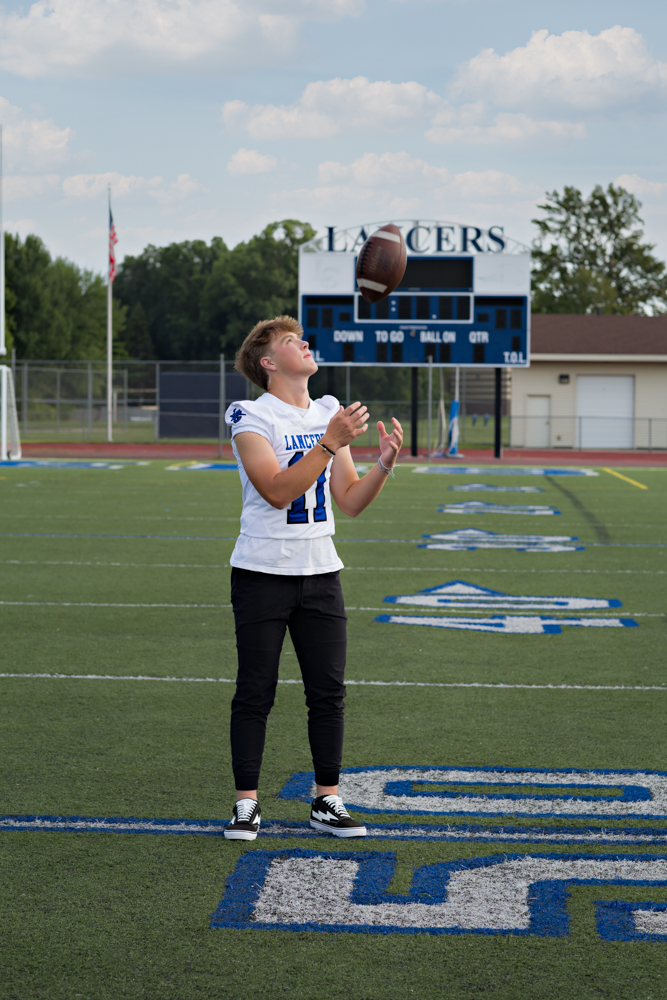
(414, 412)
(498, 437)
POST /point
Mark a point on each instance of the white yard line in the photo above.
(360, 569)
(419, 684)
(195, 607)
(93, 604)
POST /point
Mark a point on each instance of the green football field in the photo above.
(505, 857)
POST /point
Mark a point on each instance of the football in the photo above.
(381, 263)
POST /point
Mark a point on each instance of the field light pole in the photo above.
(498, 401)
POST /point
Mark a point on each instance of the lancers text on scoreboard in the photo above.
(464, 299)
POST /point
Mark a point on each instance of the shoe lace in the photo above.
(336, 805)
(245, 809)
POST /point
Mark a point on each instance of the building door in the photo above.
(538, 431)
(605, 411)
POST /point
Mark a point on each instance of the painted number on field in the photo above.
(496, 791)
(459, 594)
(481, 507)
(523, 894)
(470, 539)
(508, 624)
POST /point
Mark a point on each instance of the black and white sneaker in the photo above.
(245, 820)
(329, 815)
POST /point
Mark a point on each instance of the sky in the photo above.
(215, 117)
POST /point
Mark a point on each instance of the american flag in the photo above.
(113, 239)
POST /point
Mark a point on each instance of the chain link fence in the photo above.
(185, 401)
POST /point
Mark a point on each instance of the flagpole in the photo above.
(109, 340)
(3, 345)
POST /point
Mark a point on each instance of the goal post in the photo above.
(10, 441)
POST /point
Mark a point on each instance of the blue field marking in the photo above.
(621, 921)
(348, 892)
(508, 624)
(482, 507)
(202, 467)
(459, 594)
(385, 790)
(58, 463)
(469, 539)
(486, 488)
(493, 470)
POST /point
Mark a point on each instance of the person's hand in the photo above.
(390, 444)
(345, 426)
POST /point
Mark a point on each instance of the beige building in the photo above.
(593, 382)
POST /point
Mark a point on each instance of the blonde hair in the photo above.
(253, 348)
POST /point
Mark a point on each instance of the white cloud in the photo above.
(183, 187)
(398, 185)
(97, 37)
(249, 161)
(336, 198)
(502, 128)
(328, 107)
(372, 169)
(96, 185)
(21, 226)
(480, 185)
(576, 70)
(640, 186)
(23, 186)
(29, 140)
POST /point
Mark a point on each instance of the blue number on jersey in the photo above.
(297, 514)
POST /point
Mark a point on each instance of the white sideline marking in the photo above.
(427, 684)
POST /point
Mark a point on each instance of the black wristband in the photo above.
(322, 445)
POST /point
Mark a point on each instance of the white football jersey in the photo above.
(291, 432)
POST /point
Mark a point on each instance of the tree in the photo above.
(54, 309)
(137, 338)
(255, 280)
(589, 255)
(193, 301)
(167, 283)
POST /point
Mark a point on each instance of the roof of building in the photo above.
(568, 333)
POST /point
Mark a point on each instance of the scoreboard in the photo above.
(464, 300)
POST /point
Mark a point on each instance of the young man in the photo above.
(293, 453)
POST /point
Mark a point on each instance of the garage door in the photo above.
(605, 411)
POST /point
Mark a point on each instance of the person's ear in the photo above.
(268, 363)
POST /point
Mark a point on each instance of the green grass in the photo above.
(112, 916)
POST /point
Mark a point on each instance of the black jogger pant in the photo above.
(312, 607)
